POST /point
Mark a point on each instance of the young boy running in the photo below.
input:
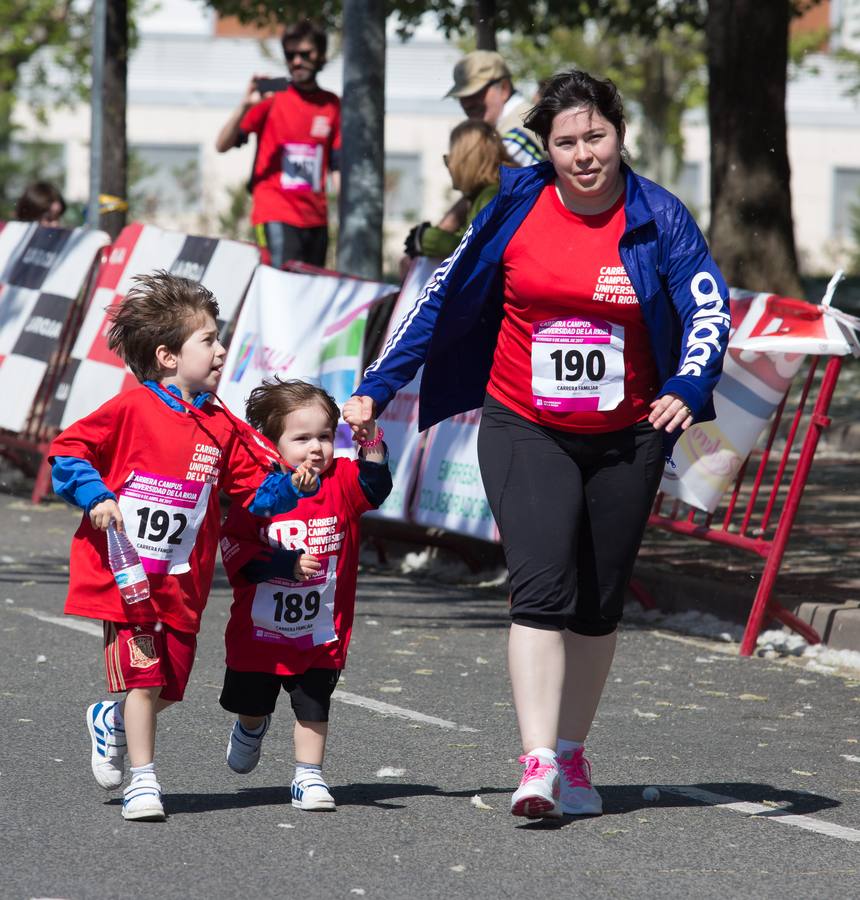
(151, 462)
(293, 578)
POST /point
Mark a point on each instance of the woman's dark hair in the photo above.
(567, 90)
(36, 201)
(306, 29)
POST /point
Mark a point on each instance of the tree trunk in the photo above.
(485, 24)
(114, 168)
(752, 235)
(359, 249)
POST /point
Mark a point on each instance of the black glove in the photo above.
(276, 563)
(412, 244)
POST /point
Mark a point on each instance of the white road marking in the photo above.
(387, 709)
(66, 621)
(765, 812)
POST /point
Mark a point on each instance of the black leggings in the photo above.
(286, 242)
(571, 509)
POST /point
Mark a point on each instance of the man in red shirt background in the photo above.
(297, 125)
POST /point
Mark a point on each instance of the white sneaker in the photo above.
(537, 797)
(243, 749)
(141, 800)
(107, 757)
(578, 796)
(311, 794)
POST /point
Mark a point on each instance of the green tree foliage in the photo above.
(26, 26)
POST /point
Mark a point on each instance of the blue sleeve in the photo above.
(375, 479)
(701, 298)
(277, 495)
(405, 351)
(78, 483)
(279, 563)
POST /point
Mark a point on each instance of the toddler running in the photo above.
(294, 578)
(151, 462)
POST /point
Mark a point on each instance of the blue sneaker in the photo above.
(311, 794)
(141, 801)
(107, 757)
(243, 748)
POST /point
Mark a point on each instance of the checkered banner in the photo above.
(300, 326)
(43, 272)
(94, 373)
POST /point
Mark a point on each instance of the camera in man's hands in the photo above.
(272, 85)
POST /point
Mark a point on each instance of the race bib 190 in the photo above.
(577, 365)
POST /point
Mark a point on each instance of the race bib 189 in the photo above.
(299, 612)
(577, 365)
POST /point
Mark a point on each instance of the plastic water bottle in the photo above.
(126, 566)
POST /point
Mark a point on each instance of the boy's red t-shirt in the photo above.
(296, 133)
(573, 351)
(283, 627)
(166, 468)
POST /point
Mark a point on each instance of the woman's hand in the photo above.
(670, 412)
(102, 514)
(359, 414)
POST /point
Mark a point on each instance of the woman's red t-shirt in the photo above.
(573, 351)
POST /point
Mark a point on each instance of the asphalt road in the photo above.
(758, 762)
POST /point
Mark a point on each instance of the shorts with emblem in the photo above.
(256, 693)
(139, 656)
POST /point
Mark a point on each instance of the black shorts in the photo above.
(571, 510)
(286, 242)
(256, 693)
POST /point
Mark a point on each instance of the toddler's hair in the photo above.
(159, 309)
(269, 404)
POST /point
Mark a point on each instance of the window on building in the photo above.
(164, 179)
(688, 187)
(403, 194)
(846, 202)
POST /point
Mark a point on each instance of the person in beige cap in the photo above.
(483, 85)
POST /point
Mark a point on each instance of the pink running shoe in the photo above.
(537, 797)
(578, 797)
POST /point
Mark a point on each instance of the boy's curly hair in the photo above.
(159, 309)
(269, 405)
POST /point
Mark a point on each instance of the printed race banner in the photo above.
(400, 419)
(43, 272)
(95, 374)
(308, 326)
(450, 493)
(770, 336)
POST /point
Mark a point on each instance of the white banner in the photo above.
(400, 419)
(43, 272)
(300, 326)
(95, 374)
(770, 336)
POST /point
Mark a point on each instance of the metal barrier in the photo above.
(758, 514)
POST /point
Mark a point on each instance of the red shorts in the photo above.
(138, 656)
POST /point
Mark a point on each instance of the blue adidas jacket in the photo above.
(453, 325)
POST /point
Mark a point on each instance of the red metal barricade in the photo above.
(759, 512)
